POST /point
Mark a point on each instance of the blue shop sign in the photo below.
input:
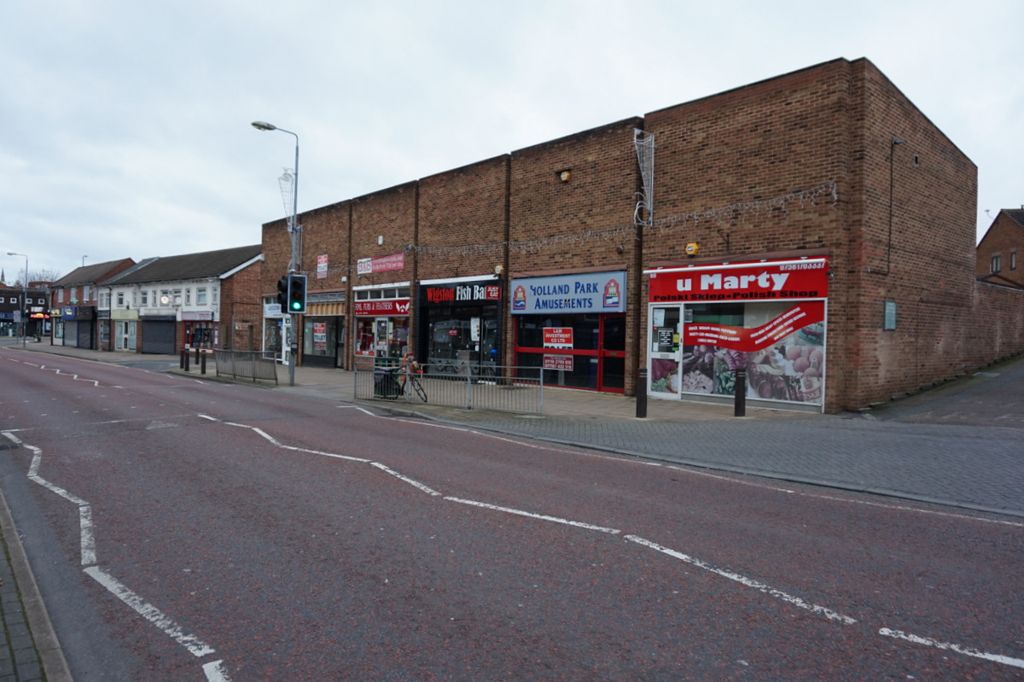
(592, 292)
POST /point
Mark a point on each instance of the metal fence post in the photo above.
(541, 408)
(355, 381)
(469, 388)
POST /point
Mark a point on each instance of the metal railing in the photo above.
(243, 364)
(487, 387)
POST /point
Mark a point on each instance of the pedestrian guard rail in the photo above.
(472, 387)
(240, 364)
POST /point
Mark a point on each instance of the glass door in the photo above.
(664, 351)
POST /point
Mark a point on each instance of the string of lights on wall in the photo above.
(812, 196)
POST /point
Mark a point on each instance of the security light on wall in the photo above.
(565, 175)
(380, 240)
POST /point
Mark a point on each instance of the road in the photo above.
(182, 529)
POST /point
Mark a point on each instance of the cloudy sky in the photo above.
(124, 125)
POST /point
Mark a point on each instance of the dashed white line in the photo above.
(540, 517)
(193, 644)
(414, 483)
(949, 646)
(743, 580)
(215, 672)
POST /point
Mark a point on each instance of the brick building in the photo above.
(815, 229)
(74, 299)
(1000, 249)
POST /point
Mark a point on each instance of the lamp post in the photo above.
(294, 230)
(24, 299)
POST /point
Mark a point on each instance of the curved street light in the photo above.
(294, 231)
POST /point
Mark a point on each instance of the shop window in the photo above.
(363, 295)
(995, 264)
(319, 336)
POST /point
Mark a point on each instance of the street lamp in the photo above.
(294, 231)
(24, 299)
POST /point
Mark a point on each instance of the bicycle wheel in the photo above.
(418, 387)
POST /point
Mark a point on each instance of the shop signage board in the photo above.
(392, 308)
(764, 281)
(592, 292)
(559, 362)
(800, 316)
(321, 266)
(368, 266)
(558, 337)
(463, 293)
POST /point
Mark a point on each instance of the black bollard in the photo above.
(197, 355)
(740, 403)
(184, 354)
(181, 360)
(203, 364)
(641, 394)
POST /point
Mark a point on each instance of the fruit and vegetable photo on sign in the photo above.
(768, 318)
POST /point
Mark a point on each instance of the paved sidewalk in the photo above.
(959, 445)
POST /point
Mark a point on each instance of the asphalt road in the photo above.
(188, 530)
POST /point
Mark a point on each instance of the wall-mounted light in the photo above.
(344, 278)
(380, 240)
(498, 269)
(565, 175)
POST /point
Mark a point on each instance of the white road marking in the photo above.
(277, 443)
(215, 672)
(414, 483)
(743, 580)
(949, 646)
(88, 537)
(193, 644)
(541, 517)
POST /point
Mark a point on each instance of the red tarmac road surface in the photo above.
(250, 548)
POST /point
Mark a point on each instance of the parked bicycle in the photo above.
(392, 383)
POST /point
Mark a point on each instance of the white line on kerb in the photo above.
(948, 646)
(743, 580)
(195, 646)
(215, 672)
(541, 517)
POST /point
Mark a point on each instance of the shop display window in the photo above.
(319, 336)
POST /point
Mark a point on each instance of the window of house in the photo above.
(74, 295)
(995, 263)
(85, 294)
(60, 295)
(188, 296)
(145, 297)
(41, 301)
(177, 297)
(120, 299)
(215, 292)
(201, 296)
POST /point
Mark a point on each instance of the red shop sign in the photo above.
(394, 308)
(767, 281)
(800, 316)
(558, 337)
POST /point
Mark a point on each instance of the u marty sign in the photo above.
(769, 280)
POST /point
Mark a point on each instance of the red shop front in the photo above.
(768, 317)
(382, 321)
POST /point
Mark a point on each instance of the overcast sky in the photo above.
(124, 125)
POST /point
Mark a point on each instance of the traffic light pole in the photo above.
(293, 264)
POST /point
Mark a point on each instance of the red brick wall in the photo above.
(582, 224)
(928, 266)
(241, 309)
(994, 330)
(1004, 236)
(752, 144)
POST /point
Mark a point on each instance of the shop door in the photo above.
(612, 346)
(85, 332)
(664, 351)
(130, 339)
(158, 337)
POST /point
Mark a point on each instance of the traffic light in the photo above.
(296, 294)
(282, 293)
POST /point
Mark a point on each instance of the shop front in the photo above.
(57, 315)
(125, 323)
(79, 326)
(769, 318)
(462, 322)
(199, 329)
(573, 327)
(382, 321)
(323, 330)
(158, 332)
